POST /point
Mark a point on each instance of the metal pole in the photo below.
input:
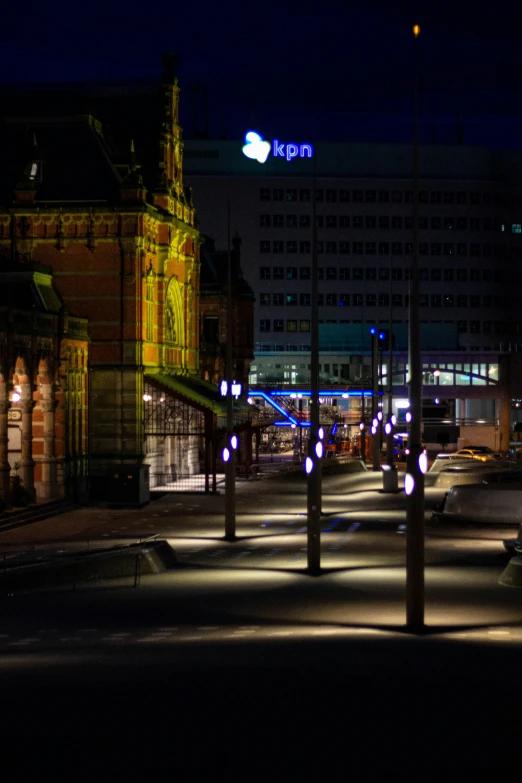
(376, 457)
(314, 477)
(230, 465)
(389, 433)
(362, 425)
(414, 477)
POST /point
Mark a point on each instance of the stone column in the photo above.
(5, 470)
(48, 488)
(26, 460)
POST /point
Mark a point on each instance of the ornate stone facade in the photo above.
(43, 389)
(99, 198)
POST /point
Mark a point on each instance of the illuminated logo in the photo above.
(290, 150)
(256, 148)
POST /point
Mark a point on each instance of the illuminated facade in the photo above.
(98, 197)
(44, 354)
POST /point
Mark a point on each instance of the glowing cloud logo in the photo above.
(255, 148)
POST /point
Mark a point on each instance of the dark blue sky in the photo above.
(285, 69)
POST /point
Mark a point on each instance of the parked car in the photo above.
(486, 450)
(482, 453)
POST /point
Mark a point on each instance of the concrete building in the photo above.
(362, 197)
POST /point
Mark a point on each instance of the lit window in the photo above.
(516, 228)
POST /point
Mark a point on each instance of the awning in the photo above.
(199, 393)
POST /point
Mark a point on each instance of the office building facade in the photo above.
(362, 198)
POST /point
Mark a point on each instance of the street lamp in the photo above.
(313, 461)
(230, 462)
(414, 482)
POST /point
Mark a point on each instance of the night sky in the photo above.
(286, 70)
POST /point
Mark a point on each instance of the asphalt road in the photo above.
(238, 665)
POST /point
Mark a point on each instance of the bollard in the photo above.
(137, 573)
(389, 478)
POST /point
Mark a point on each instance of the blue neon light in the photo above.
(292, 150)
(329, 393)
(291, 420)
(274, 404)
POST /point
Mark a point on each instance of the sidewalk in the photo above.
(240, 666)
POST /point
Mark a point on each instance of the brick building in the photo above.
(213, 314)
(92, 187)
(43, 390)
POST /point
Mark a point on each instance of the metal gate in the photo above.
(180, 441)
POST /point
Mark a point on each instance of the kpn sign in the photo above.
(257, 148)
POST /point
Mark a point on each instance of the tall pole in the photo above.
(389, 428)
(414, 481)
(314, 476)
(230, 464)
(376, 457)
(362, 424)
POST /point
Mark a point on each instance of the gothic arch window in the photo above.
(174, 332)
(149, 314)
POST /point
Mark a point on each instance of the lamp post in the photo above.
(389, 419)
(313, 461)
(229, 450)
(414, 480)
(376, 457)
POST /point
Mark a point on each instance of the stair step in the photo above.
(10, 519)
